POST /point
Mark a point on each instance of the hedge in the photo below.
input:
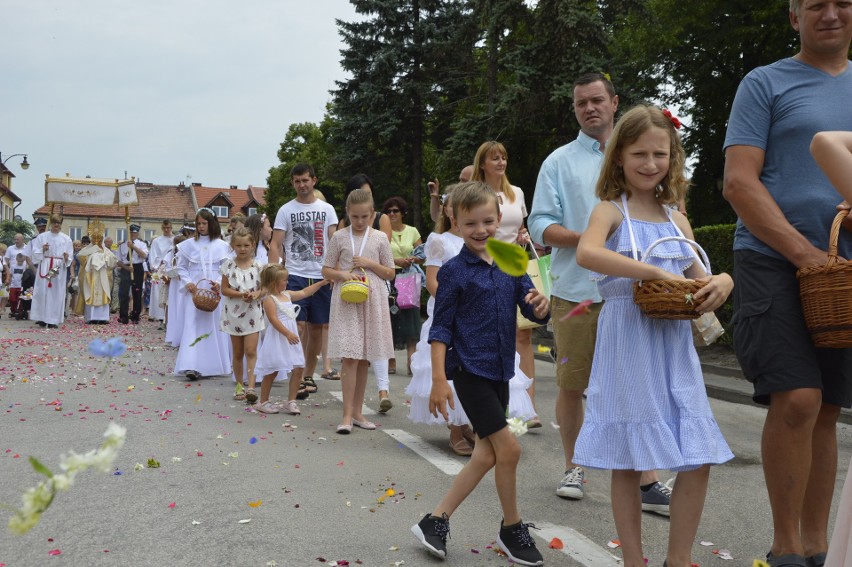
(718, 241)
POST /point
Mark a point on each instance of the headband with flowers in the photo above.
(209, 210)
(675, 122)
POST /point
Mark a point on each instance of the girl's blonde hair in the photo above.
(55, 218)
(483, 153)
(269, 277)
(360, 197)
(243, 232)
(634, 123)
(445, 223)
(468, 196)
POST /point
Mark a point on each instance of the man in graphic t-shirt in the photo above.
(304, 227)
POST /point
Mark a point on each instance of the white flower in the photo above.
(517, 426)
(38, 498)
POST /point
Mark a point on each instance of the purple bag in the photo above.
(408, 290)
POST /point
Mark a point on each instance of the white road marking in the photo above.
(577, 546)
(364, 409)
(445, 463)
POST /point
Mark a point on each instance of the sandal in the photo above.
(239, 393)
(331, 375)
(302, 393)
(251, 395)
(461, 448)
(309, 385)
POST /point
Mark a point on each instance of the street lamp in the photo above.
(24, 164)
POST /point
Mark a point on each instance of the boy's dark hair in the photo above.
(590, 78)
(301, 169)
(472, 194)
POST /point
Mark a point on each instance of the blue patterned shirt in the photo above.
(476, 316)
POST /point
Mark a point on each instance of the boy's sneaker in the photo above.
(517, 543)
(571, 485)
(656, 499)
(432, 532)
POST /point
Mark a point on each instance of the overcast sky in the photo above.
(164, 90)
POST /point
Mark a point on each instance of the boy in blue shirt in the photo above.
(473, 344)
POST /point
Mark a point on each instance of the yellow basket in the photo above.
(356, 291)
(826, 299)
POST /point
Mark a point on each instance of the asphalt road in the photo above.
(312, 497)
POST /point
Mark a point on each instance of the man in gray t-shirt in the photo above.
(785, 206)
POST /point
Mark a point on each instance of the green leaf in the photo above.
(199, 339)
(40, 468)
(510, 258)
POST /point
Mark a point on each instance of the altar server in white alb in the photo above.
(52, 253)
(160, 248)
(204, 349)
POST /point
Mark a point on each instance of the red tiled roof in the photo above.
(240, 198)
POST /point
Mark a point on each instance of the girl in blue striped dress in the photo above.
(647, 407)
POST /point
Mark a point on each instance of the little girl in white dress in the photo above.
(280, 351)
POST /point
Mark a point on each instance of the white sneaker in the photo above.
(293, 408)
(571, 485)
(266, 407)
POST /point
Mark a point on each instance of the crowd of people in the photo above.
(266, 299)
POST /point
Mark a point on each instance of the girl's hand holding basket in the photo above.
(714, 294)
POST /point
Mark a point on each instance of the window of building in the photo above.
(252, 211)
(221, 211)
(149, 234)
(120, 235)
(75, 232)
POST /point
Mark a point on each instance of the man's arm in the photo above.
(756, 208)
(276, 246)
(545, 219)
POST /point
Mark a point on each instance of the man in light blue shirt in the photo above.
(563, 200)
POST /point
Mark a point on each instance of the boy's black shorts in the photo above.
(484, 401)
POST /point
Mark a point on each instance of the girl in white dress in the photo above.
(174, 303)
(281, 350)
(204, 349)
(242, 314)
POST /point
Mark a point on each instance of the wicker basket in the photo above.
(826, 293)
(670, 299)
(205, 299)
(355, 291)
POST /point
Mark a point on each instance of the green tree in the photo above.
(304, 142)
(408, 61)
(9, 228)
(697, 53)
